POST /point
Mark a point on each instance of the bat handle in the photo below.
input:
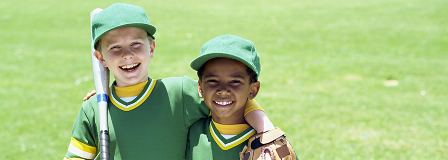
(104, 133)
(104, 144)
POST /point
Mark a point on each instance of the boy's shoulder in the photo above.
(201, 123)
(91, 103)
(176, 79)
(179, 82)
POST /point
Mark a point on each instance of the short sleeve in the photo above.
(194, 106)
(83, 141)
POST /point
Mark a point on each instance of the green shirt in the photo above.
(152, 126)
(205, 142)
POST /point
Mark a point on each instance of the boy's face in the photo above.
(127, 53)
(225, 87)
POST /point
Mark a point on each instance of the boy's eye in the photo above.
(114, 48)
(235, 82)
(135, 44)
(212, 81)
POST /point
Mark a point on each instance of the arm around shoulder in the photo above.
(194, 106)
(256, 117)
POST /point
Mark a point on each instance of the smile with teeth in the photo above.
(223, 103)
(130, 67)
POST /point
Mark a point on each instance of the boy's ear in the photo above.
(152, 47)
(100, 57)
(200, 89)
(254, 88)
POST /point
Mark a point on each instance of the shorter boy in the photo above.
(228, 68)
(147, 118)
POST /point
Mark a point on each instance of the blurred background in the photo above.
(344, 79)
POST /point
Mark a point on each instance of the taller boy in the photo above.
(148, 118)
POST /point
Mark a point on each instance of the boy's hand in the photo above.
(270, 145)
(89, 95)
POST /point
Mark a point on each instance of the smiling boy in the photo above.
(228, 68)
(125, 53)
(226, 85)
(147, 118)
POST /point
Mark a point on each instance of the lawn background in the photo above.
(344, 79)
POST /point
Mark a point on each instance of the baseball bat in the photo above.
(101, 79)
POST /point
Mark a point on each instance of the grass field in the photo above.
(344, 79)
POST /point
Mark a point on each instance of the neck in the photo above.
(130, 91)
(229, 120)
(119, 83)
(233, 129)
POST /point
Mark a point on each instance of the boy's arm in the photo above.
(194, 106)
(253, 113)
(256, 117)
(82, 144)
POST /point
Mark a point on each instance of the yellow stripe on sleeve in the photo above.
(252, 105)
(82, 146)
(65, 158)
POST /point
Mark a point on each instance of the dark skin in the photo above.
(226, 86)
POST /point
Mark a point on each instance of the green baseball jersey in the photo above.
(205, 142)
(152, 126)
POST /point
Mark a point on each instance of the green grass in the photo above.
(324, 65)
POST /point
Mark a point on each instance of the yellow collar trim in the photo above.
(137, 103)
(233, 129)
(130, 91)
(225, 144)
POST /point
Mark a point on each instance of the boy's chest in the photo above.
(205, 145)
(147, 129)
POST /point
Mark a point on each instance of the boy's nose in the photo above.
(223, 90)
(128, 55)
(223, 93)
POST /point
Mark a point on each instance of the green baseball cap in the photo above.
(120, 15)
(229, 46)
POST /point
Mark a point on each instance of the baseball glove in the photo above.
(272, 142)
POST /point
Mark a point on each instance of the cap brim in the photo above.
(147, 27)
(201, 60)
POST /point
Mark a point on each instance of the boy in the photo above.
(147, 118)
(228, 68)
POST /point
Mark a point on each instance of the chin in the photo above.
(223, 115)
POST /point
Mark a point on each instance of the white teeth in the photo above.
(223, 103)
(129, 66)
